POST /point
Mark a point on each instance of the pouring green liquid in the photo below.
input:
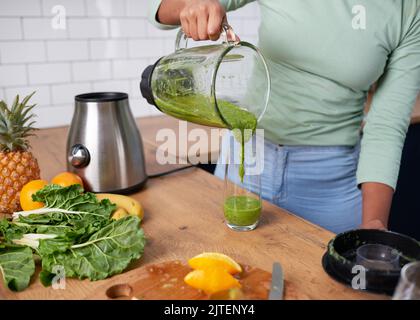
(239, 210)
(199, 109)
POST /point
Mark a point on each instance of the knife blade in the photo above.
(277, 283)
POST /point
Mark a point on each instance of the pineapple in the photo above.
(17, 165)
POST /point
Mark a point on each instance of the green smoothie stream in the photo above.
(239, 210)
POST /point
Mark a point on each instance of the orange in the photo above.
(212, 260)
(66, 179)
(211, 280)
(26, 193)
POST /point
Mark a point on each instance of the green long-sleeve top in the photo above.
(323, 56)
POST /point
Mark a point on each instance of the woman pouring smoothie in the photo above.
(318, 163)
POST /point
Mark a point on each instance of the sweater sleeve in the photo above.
(389, 116)
(154, 5)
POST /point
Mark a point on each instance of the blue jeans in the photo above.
(315, 183)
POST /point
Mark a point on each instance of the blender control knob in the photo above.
(79, 156)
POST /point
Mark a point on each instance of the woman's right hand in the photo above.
(200, 19)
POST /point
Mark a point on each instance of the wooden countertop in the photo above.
(183, 217)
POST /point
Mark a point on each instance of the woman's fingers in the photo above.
(184, 24)
(202, 20)
(192, 24)
(214, 25)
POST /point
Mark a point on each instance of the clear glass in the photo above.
(213, 85)
(408, 287)
(242, 204)
(378, 257)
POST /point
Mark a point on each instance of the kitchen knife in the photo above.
(277, 283)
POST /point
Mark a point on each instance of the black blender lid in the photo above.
(101, 96)
(340, 258)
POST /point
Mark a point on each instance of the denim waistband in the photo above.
(309, 148)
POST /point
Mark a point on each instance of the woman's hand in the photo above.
(377, 199)
(373, 224)
(200, 19)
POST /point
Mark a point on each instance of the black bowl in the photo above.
(340, 259)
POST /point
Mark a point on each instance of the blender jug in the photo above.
(223, 85)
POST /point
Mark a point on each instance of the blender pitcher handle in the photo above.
(227, 35)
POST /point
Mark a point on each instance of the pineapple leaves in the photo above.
(16, 124)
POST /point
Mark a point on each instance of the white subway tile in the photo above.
(126, 69)
(22, 51)
(41, 96)
(85, 71)
(140, 108)
(67, 50)
(108, 49)
(20, 8)
(128, 28)
(153, 32)
(10, 28)
(49, 73)
(146, 48)
(114, 85)
(137, 8)
(135, 88)
(65, 93)
(81, 28)
(73, 7)
(41, 28)
(13, 75)
(106, 8)
(54, 116)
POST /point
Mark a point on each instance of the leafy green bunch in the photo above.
(75, 231)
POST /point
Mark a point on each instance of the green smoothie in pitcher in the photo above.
(198, 109)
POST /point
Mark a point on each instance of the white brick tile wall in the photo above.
(58, 115)
(73, 7)
(128, 28)
(10, 28)
(67, 50)
(108, 49)
(114, 85)
(106, 8)
(135, 88)
(85, 71)
(64, 93)
(42, 94)
(137, 8)
(83, 28)
(40, 28)
(12, 75)
(17, 51)
(105, 47)
(128, 69)
(20, 8)
(146, 48)
(49, 73)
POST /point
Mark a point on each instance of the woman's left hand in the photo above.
(373, 224)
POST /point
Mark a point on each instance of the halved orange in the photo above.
(211, 280)
(214, 260)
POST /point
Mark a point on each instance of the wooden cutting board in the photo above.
(164, 281)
